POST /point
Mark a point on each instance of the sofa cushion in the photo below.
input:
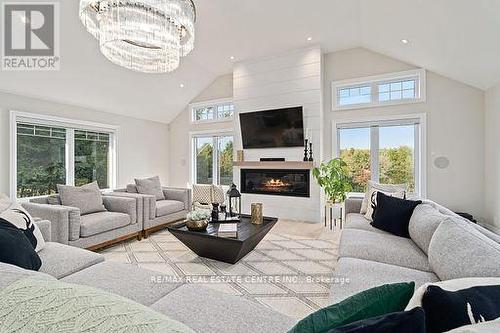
(150, 186)
(374, 186)
(32, 305)
(423, 223)
(459, 250)
(10, 274)
(97, 223)
(202, 194)
(87, 198)
(16, 249)
(60, 260)
(220, 313)
(19, 217)
(141, 285)
(358, 221)
(167, 207)
(393, 214)
(404, 321)
(383, 248)
(355, 275)
(367, 304)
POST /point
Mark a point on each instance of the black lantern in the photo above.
(234, 199)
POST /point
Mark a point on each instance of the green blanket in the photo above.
(31, 305)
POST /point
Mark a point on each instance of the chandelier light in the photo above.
(143, 35)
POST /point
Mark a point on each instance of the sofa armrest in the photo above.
(65, 220)
(45, 229)
(142, 202)
(122, 205)
(353, 205)
(179, 194)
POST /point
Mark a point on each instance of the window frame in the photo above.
(215, 158)
(419, 75)
(71, 125)
(213, 103)
(420, 137)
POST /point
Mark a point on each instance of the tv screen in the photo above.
(273, 128)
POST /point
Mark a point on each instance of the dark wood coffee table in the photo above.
(230, 250)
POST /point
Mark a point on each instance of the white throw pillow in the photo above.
(386, 188)
(451, 285)
(15, 214)
(373, 200)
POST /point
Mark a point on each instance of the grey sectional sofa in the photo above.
(159, 213)
(201, 309)
(122, 220)
(443, 246)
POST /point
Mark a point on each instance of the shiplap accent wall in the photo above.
(287, 80)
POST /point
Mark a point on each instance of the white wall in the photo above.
(179, 130)
(286, 80)
(492, 155)
(142, 145)
(455, 125)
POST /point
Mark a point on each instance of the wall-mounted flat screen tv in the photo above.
(273, 128)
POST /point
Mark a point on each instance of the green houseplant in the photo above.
(334, 178)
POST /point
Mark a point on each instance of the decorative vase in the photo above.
(200, 225)
(257, 216)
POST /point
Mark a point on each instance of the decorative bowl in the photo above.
(200, 225)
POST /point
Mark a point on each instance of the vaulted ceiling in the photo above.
(456, 38)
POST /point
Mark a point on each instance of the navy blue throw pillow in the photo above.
(393, 214)
(406, 321)
(447, 310)
(16, 248)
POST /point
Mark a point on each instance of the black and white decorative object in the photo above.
(311, 158)
(306, 158)
(21, 219)
(16, 249)
(234, 199)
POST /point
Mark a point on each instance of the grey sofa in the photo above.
(443, 246)
(159, 213)
(203, 310)
(121, 221)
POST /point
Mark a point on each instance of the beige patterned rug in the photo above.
(288, 271)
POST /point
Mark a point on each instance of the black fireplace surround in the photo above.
(292, 183)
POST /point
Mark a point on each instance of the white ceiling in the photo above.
(456, 38)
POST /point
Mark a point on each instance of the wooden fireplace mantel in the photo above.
(275, 165)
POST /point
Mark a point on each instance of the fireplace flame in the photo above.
(276, 183)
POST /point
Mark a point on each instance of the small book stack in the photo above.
(228, 230)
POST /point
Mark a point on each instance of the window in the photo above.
(386, 152)
(396, 88)
(221, 110)
(49, 151)
(213, 159)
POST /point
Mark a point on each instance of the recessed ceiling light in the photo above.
(405, 41)
(309, 39)
(231, 57)
(181, 85)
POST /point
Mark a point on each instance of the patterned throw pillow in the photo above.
(373, 200)
(386, 188)
(16, 215)
(202, 194)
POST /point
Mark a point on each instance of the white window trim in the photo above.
(192, 151)
(72, 124)
(420, 146)
(213, 102)
(373, 80)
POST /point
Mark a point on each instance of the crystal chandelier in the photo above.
(142, 35)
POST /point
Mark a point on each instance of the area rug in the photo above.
(287, 272)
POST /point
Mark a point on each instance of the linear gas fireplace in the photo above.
(295, 183)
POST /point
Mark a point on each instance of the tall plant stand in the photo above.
(334, 213)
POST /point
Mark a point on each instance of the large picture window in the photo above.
(47, 152)
(213, 159)
(386, 152)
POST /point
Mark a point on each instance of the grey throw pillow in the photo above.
(87, 198)
(150, 186)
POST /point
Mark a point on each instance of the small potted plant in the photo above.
(334, 178)
(197, 220)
